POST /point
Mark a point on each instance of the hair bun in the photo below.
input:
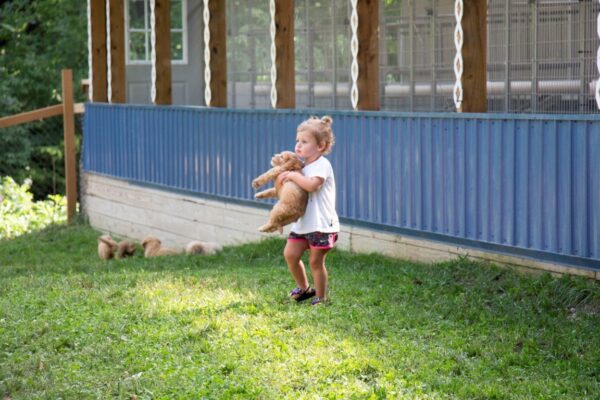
(327, 120)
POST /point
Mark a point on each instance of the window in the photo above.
(138, 31)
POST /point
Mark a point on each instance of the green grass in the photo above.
(75, 327)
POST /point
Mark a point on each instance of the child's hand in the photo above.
(289, 176)
(281, 178)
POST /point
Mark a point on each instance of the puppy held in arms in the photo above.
(292, 198)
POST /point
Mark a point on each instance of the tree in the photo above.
(37, 40)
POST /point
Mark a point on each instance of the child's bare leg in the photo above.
(293, 253)
(319, 272)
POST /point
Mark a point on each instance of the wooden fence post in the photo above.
(69, 138)
(474, 52)
(368, 54)
(162, 63)
(98, 77)
(217, 46)
(117, 82)
(285, 84)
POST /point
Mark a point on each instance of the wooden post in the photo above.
(474, 52)
(368, 54)
(218, 53)
(284, 49)
(117, 51)
(98, 33)
(162, 13)
(69, 139)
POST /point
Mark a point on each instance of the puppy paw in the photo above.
(255, 184)
(267, 228)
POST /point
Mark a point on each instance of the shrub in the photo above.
(20, 214)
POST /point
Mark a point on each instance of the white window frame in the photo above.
(184, 40)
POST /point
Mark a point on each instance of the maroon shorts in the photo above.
(316, 240)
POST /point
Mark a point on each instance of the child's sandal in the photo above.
(302, 294)
(317, 301)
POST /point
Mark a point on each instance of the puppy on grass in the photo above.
(204, 248)
(153, 248)
(125, 249)
(108, 248)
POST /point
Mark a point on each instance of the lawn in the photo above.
(219, 327)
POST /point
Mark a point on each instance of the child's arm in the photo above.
(310, 184)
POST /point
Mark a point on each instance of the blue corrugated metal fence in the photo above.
(516, 183)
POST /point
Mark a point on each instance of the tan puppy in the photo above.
(203, 248)
(292, 198)
(125, 249)
(152, 248)
(106, 247)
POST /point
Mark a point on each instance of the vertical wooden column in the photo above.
(69, 139)
(98, 50)
(117, 51)
(162, 62)
(474, 52)
(284, 54)
(368, 54)
(218, 53)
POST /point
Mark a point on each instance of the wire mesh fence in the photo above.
(248, 54)
(322, 51)
(541, 55)
(416, 53)
(322, 48)
(35, 151)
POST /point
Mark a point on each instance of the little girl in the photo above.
(318, 229)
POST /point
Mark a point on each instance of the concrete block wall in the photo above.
(130, 210)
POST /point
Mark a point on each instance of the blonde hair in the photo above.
(321, 130)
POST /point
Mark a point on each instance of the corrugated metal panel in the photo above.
(519, 182)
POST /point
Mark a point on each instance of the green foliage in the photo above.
(19, 214)
(37, 40)
(222, 327)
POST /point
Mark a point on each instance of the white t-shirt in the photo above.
(320, 215)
